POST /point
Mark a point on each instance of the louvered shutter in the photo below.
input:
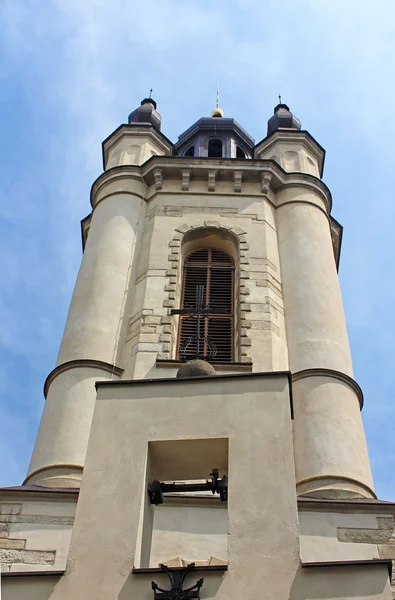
(214, 270)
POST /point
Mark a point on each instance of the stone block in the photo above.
(152, 338)
(146, 347)
(165, 337)
(8, 544)
(238, 230)
(245, 306)
(183, 228)
(151, 319)
(146, 311)
(148, 329)
(168, 303)
(10, 509)
(173, 257)
(166, 320)
(27, 557)
(174, 244)
(167, 329)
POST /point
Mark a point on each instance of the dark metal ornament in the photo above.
(177, 591)
(156, 488)
(199, 311)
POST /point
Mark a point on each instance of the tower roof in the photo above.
(146, 113)
(282, 119)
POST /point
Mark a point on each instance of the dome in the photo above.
(282, 119)
(146, 113)
(217, 112)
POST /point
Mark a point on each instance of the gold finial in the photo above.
(217, 112)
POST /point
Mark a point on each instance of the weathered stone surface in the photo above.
(152, 319)
(27, 557)
(8, 544)
(383, 534)
(196, 368)
(10, 509)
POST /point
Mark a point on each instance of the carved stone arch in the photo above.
(242, 273)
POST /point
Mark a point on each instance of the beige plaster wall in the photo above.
(96, 309)
(59, 452)
(193, 533)
(319, 536)
(28, 588)
(254, 414)
(315, 321)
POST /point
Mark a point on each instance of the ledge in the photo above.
(84, 362)
(32, 573)
(150, 570)
(237, 367)
(374, 562)
(371, 505)
(335, 375)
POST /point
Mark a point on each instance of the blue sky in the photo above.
(70, 73)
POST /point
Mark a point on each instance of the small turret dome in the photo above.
(217, 112)
(282, 119)
(146, 113)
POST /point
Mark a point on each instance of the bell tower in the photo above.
(203, 406)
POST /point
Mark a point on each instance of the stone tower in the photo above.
(252, 463)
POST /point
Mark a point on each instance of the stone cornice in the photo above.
(253, 171)
(85, 224)
(116, 174)
(349, 381)
(87, 363)
(140, 130)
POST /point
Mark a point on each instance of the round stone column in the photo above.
(331, 457)
(90, 341)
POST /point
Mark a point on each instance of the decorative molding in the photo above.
(337, 478)
(185, 179)
(238, 178)
(84, 362)
(78, 469)
(318, 372)
(211, 180)
(266, 179)
(174, 259)
(158, 178)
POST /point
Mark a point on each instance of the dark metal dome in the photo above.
(282, 119)
(146, 113)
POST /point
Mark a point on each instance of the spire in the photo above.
(282, 119)
(217, 112)
(146, 113)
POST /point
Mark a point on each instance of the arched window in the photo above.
(190, 151)
(240, 152)
(215, 148)
(207, 285)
